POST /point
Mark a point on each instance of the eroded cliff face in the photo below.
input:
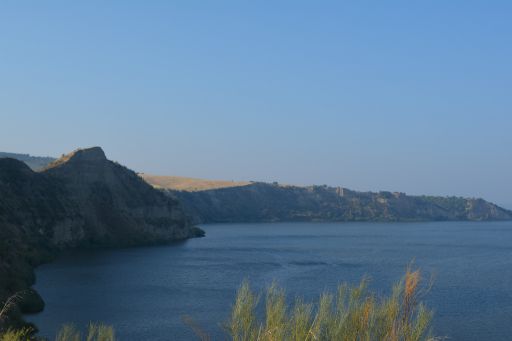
(263, 202)
(79, 200)
(116, 206)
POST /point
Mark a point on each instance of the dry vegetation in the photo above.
(63, 159)
(351, 314)
(95, 332)
(188, 184)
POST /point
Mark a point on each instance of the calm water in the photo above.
(144, 292)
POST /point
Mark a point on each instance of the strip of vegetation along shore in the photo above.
(351, 313)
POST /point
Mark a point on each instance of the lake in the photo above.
(144, 292)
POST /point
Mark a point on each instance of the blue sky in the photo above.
(411, 96)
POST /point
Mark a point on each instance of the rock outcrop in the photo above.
(80, 200)
(116, 206)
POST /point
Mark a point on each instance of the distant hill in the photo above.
(237, 201)
(80, 200)
(264, 202)
(36, 163)
(189, 184)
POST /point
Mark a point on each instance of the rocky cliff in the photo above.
(263, 202)
(79, 200)
(229, 201)
(116, 207)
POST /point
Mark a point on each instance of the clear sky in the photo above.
(412, 96)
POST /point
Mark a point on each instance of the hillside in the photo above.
(34, 162)
(188, 184)
(81, 200)
(263, 202)
(232, 201)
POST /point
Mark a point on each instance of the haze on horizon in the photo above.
(400, 96)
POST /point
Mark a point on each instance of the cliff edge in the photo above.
(81, 200)
(264, 202)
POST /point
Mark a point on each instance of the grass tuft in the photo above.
(23, 334)
(352, 314)
(95, 332)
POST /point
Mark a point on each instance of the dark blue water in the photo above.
(144, 292)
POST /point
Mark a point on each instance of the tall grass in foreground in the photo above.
(16, 335)
(95, 332)
(351, 314)
(68, 332)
